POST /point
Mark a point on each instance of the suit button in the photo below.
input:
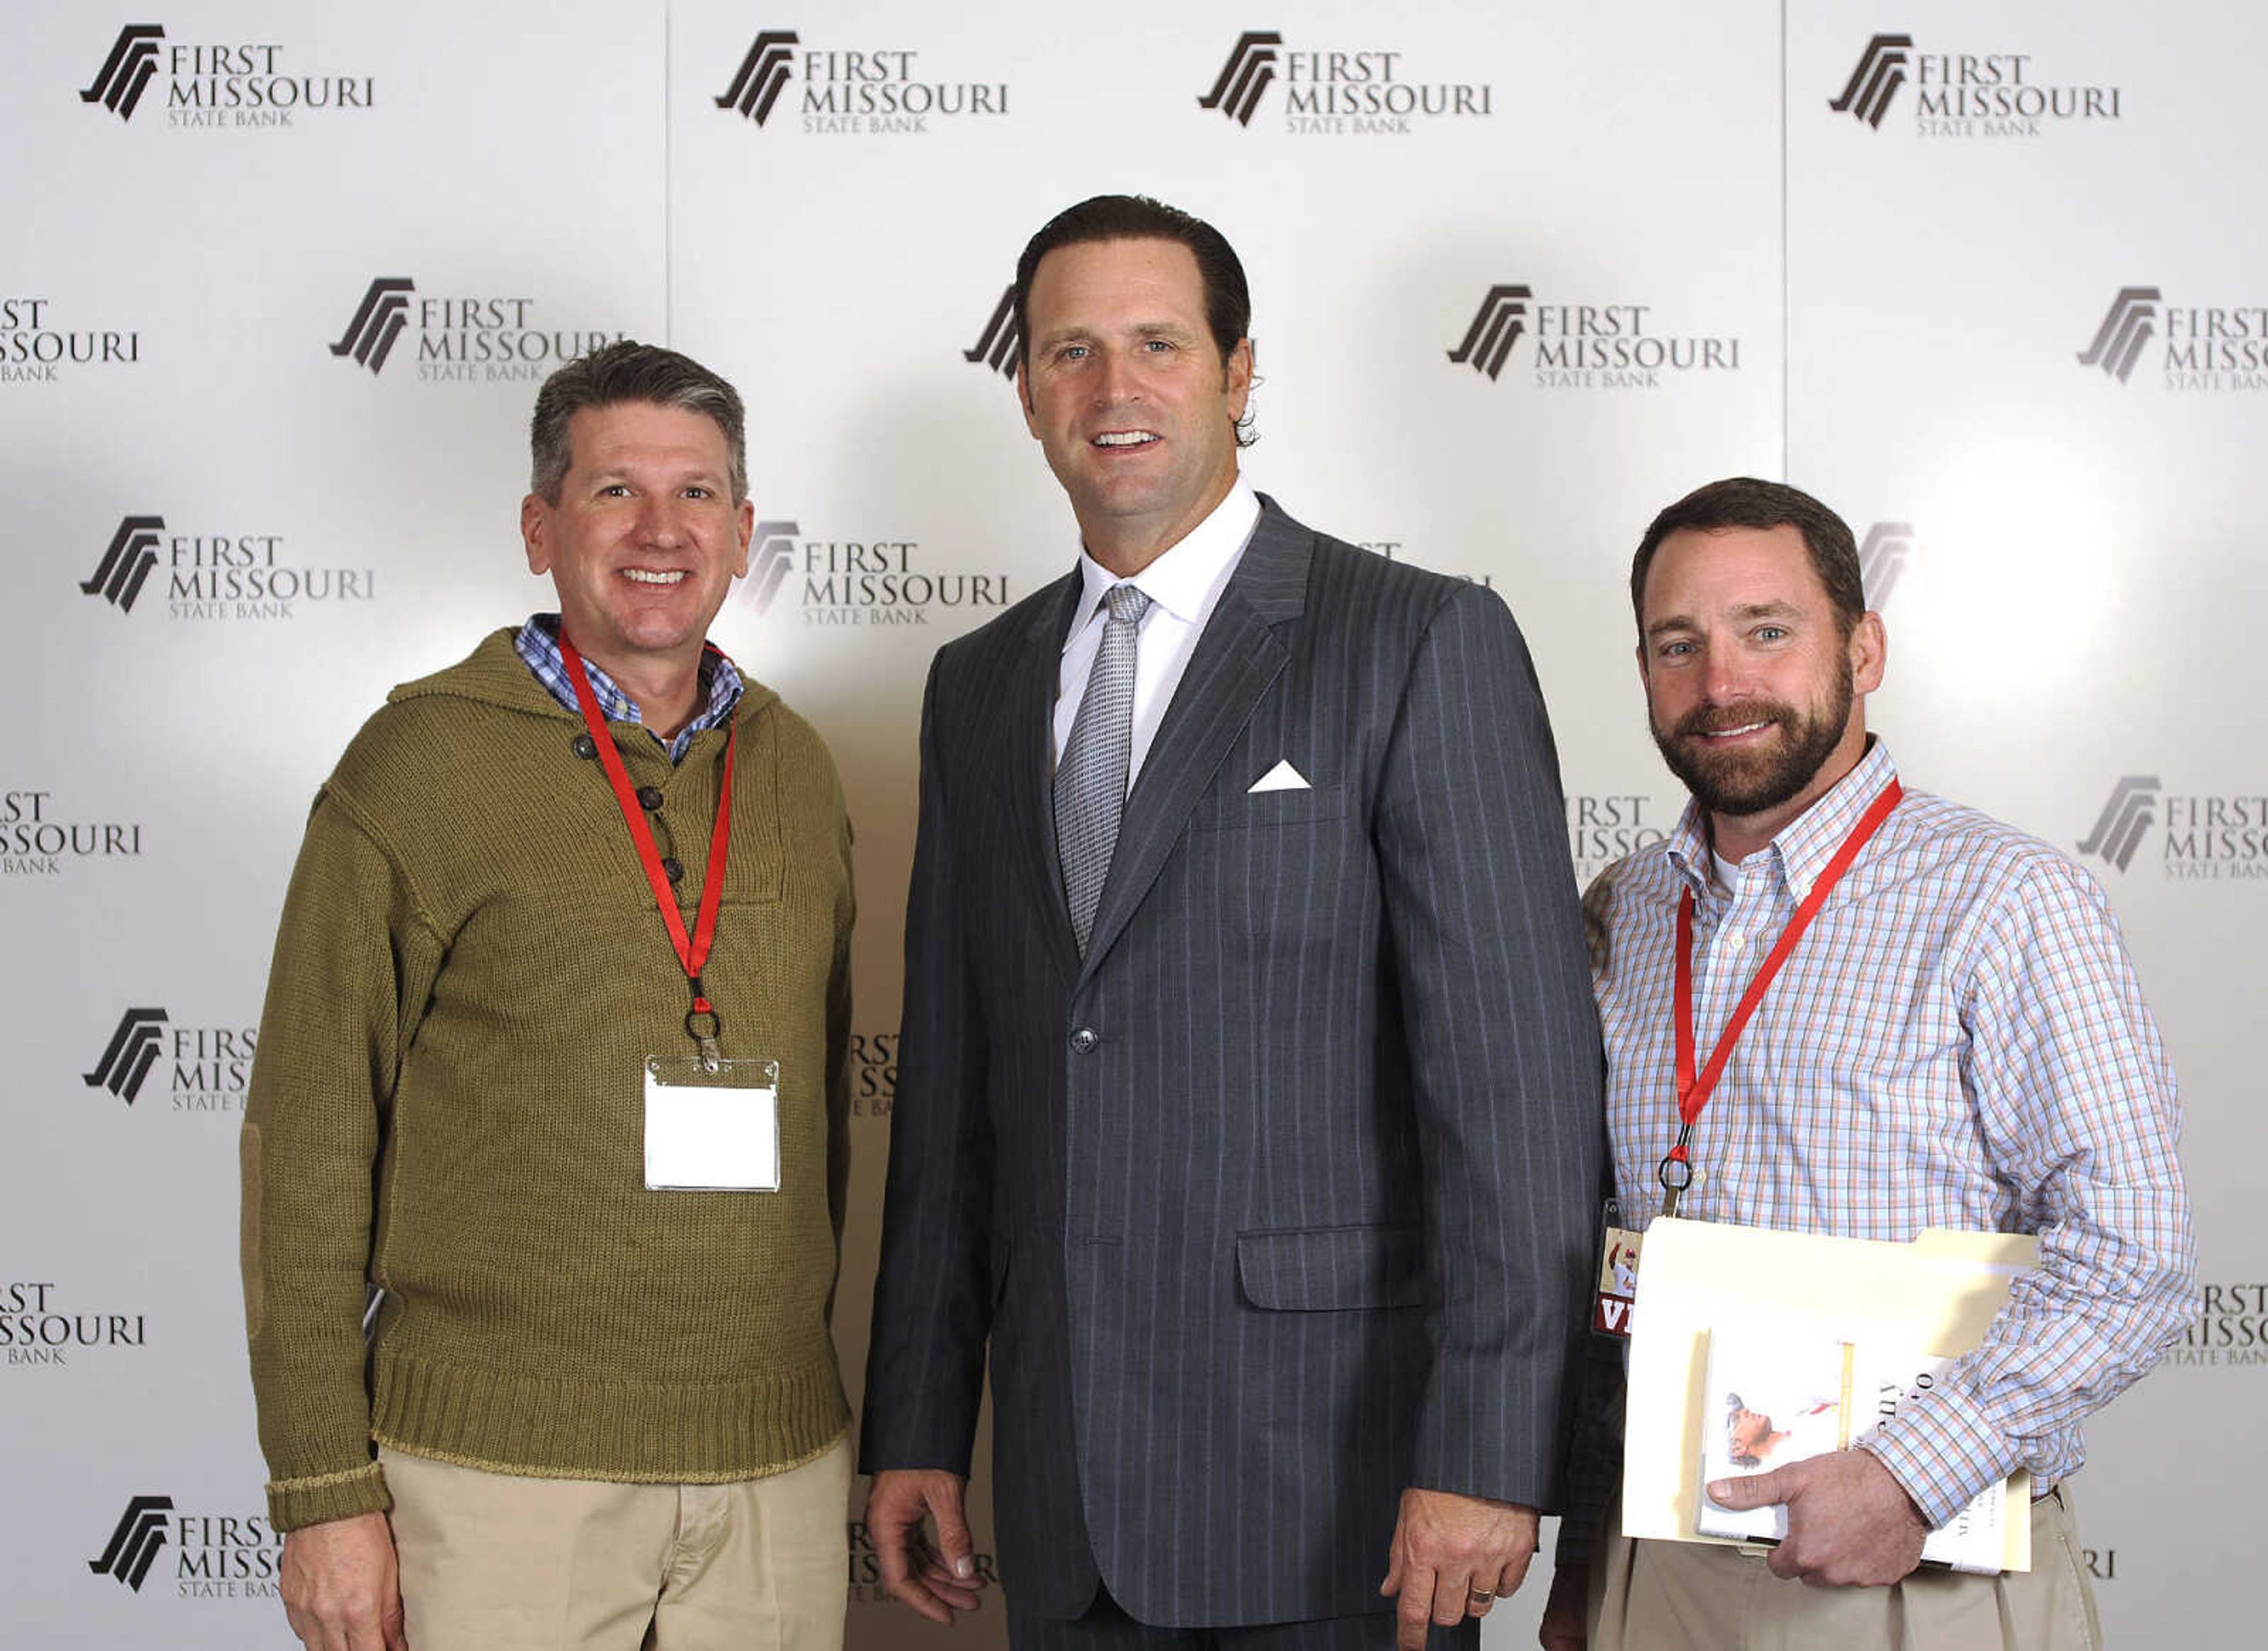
(650, 798)
(1085, 1039)
(586, 747)
(674, 868)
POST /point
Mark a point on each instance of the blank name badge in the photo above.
(711, 1125)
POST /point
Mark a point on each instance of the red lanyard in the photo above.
(1676, 1169)
(693, 950)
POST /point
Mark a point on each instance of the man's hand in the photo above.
(1850, 1524)
(935, 1581)
(341, 1588)
(1448, 1547)
(1565, 1626)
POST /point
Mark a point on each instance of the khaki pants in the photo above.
(1661, 1595)
(499, 1562)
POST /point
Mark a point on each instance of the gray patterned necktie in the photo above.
(1091, 778)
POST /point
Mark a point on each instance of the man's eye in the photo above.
(614, 489)
(1159, 344)
(1071, 352)
(1771, 633)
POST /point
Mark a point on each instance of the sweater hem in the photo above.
(629, 1432)
(721, 1476)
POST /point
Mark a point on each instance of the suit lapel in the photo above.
(1237, 660)
(1030, 797)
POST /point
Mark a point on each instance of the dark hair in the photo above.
(626, 371)
(1738, 1458)
(1137, 218)
(1745, 502)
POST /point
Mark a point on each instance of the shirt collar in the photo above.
(538, 646)
(1185, 575)
(1807, 843)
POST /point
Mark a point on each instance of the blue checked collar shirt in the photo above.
(1959, 1040)
(538, 645)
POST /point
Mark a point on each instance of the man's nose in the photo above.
(1724, 676)
(1113, 378)
(659, 522)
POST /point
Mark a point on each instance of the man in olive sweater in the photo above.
(552, 1060)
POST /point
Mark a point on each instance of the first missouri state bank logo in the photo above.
(133, 1049)
(1000, 344)
(2119, 828)
(127, 72)
(771, 558)
(216, 1556)
(846, 91)
(1337, 90)
(2126, 327)
(2206, 837)
(868, 582)
(207, 1068)
(237, 83)
(380, 319)
(1587, 346)
(216, 577)
(2207, 347)
(126, 562)
(761, 76)
(1250, 70)
(135, 1543)
(1967, 93)
(1883, 555)
(486, 340)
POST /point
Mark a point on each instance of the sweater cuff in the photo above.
(294, 1503)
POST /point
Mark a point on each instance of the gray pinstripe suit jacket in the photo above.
(1283, 1199)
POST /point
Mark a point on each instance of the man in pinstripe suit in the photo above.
(1248, 1103)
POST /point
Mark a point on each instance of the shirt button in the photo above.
(586, 747)
(650, 798)
(1734, 938)
(673, 870)
(1085, 1039)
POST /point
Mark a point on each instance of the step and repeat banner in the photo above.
(281, 280)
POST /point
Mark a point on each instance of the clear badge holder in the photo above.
(711, 1125)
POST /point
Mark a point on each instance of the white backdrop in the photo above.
(1888, 303)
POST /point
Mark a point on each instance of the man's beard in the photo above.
(1738, 782)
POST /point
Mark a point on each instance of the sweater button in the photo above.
(1085, 1039)
(673, 870)
(586, 747)
(650, 798)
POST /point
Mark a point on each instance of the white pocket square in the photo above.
(1282, 777)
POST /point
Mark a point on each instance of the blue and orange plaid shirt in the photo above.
(538, 646)
(1960, 1041)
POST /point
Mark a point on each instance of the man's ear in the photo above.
(535, 532)
(1237, 379)
(1870, 652)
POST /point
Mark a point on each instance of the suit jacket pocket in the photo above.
(1319, 1269)
(1234, 810)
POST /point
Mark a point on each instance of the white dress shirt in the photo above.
(1184, 585)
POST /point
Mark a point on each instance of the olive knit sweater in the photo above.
(448, 1103)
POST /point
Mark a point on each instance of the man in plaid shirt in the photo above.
(1957, 1040)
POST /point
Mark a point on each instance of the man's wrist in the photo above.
(1942, 1450)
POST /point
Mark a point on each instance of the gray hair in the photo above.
(626, 371)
